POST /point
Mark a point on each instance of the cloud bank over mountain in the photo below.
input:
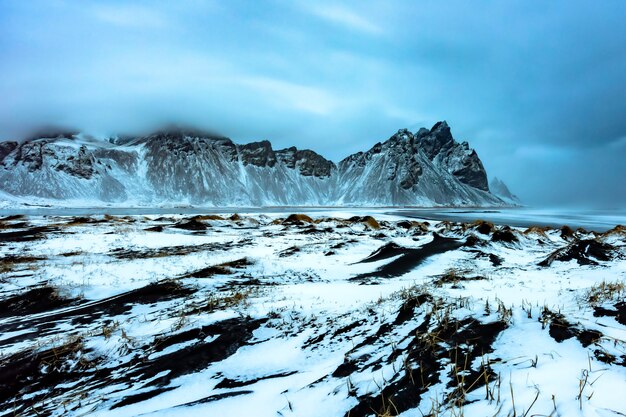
(539, 90)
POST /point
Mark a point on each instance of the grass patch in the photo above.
(606, 291)
(455, 277)
(11, 262)
(297, 219)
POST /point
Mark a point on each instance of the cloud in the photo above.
(619, 144)
(342, 17)
(539, 91)
(285, 94)
(131, 16)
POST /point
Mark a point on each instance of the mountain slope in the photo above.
(190, 167)
(500, 189)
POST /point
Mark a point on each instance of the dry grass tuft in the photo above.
(297, 219)
(232, 299)
(536, 230)
(209, 217)
(11, 262)
(370, 222)
(606, 291)
(618, 230)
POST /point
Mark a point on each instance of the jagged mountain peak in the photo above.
(500, 189)
(441, 131)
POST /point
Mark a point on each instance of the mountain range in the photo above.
(186, 166)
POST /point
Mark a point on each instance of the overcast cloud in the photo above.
(538, 88)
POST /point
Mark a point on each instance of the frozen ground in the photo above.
(277, 315)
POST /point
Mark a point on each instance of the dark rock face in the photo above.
(80, 165)
(585, 252)
(309, 163)
(259, 154)
(461, 161)
(31, 155)
(472, 171)
(439, 138)
(6, 148)
(188, 166)
(126, 160)
(34, 155)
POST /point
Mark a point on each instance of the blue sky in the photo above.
(538, 88)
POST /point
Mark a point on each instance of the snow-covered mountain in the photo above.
(500, 189)
(190, 167)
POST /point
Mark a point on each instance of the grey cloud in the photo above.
(537, 88)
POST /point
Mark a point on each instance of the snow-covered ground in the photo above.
(327, 315)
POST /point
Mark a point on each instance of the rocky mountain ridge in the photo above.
(426, 168)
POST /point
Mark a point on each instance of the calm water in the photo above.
(598, 220)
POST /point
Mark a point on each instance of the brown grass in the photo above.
(618, 230)
(229, 300)
(213, 217)
(297, 218)
(536, 230)
(370, 222)
(9, 263)
(605, 291)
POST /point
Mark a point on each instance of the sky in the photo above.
(537, 88)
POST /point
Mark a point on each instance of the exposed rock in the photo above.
(192, 224)
(80, 165)
(309, 163)
(6, 148)
(504, 234)
(259, 154)
(585, 252)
